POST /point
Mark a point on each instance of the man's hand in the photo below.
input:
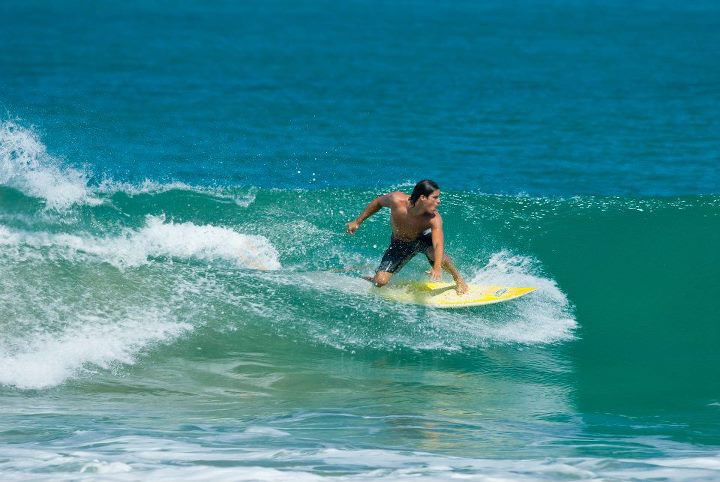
(352, 226)
(435, 274)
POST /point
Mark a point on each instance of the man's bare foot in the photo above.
(460, 287)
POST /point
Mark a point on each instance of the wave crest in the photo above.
(26, 165)
(156, 239)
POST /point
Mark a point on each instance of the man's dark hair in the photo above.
(423, 188)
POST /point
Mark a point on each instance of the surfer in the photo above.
(416, 227)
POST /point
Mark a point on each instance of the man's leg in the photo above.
(460, 285)
(381, 278)
(395, 257)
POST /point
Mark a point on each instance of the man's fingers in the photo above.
(433, 275)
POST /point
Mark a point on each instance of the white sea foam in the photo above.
(544, 316)
(135, 247)
(45, 359)
(26, 165)
(136, 457)
(100, 467)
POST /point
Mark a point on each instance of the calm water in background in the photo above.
(178, 299)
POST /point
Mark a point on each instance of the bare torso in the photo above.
(405, 225)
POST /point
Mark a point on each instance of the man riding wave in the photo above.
(416, 227)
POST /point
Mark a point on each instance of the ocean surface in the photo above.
(178, 298)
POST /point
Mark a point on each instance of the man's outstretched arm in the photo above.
(374, 206)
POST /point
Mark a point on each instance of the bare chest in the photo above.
(406, 226)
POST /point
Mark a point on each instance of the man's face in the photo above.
(431, 202)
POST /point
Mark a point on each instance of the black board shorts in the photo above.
(400, 252)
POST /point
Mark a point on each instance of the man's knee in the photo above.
(382, 278)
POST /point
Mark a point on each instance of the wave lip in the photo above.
(26, 165)
(148, 186)
(157, 238)
(188, 240)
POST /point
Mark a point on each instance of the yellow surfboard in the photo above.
(443, 295)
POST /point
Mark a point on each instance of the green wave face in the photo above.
(603, 266)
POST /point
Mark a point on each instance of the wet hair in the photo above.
(423, 188)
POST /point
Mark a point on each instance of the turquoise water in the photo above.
(178, 298)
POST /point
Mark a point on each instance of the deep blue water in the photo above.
(540, 97)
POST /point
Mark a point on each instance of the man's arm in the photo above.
(441, 261)
(438, 241)
(374, 206)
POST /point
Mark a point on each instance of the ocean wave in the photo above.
(38, 358)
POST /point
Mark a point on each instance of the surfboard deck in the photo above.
(443, 295)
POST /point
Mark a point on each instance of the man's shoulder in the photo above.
(397, 197)
(436, 220)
